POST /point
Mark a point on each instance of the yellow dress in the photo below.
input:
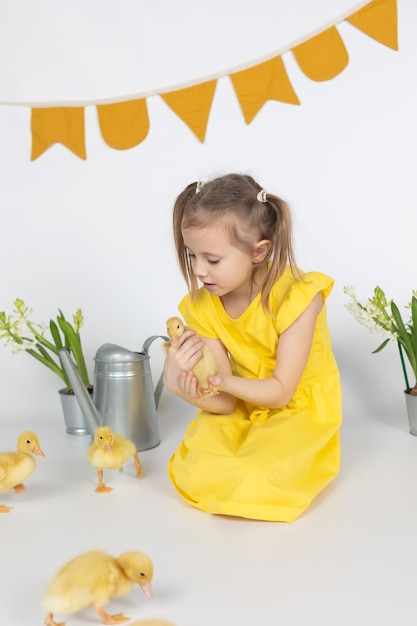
(262, 463)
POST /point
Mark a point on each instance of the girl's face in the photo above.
(219, 266)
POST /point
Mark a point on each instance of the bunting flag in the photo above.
(193, 106)
(58, 125)
(266, 81)
(124, 125)
(322, 57)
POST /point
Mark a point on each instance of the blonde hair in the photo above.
(234, 196)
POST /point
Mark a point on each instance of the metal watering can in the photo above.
(124, 397)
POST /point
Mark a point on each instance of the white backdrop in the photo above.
(96, 234)
(100, 50)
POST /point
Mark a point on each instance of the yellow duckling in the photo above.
(111, 451)
(206, 366)
(15, 467)
(92, 579)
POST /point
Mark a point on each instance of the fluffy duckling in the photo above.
(111, 451)
(15, 467)
(206, 366)
(92, 579)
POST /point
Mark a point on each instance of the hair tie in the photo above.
(199, 186)
(261, 196)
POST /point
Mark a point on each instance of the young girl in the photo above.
(268, 443)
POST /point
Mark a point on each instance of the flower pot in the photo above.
(73, 417)
(411, 403)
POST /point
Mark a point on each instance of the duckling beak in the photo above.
(108, 448)
(147, 590)
(38, 452)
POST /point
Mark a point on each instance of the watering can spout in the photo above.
(87, 406)
(124, 396)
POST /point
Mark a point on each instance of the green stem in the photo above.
(52, 366)
(41, 339)
(407, 384)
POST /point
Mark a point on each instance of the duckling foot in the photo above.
(101, 487)
(119, 618)
(20, 488)
(207, 392)
(138, 466)
(5, 509)
(49, 621)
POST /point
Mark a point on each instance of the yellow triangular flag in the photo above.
(378, 20)
(125, 124)
(58, 125)
(322, 57)
(256, 85)
(193, 106)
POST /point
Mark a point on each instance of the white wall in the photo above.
(96, 234)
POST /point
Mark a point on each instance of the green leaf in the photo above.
(73, 343)
(55, 334)
(45, 354)
(413, 333)
(400, 327)
(383, 344)
(41, 339)
(49, 363)
(404, 337)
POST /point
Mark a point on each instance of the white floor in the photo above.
(350, 559)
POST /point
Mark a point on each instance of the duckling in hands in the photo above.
(92, 579)
(15, 467)
(111, 451)
(206, 366)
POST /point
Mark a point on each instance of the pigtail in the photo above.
(282, 251)
(182, 201)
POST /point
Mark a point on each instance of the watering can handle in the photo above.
(145, 350)
(150, 340)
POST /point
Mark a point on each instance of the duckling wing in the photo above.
(15, 469)
(7, 458)
(69, 590)
(123, 449)
(90, 579)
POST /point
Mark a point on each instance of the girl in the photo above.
(268, 443)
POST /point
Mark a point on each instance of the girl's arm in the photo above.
(179, 379)
(292, 356)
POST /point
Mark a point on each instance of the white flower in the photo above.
(27, 344)
(372, 314)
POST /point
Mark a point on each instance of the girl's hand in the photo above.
(180, 359)
(188, 384)
(179, 378)
(216, 380)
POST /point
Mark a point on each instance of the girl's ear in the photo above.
(261, 250)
